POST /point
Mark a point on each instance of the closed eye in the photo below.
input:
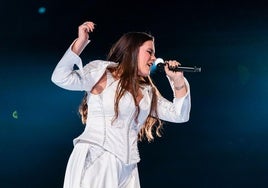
(150, 52)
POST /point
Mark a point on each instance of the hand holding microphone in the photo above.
(160, 64)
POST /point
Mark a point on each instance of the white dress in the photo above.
(105, 155)
(90, 166)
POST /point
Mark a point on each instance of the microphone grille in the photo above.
(158, 60)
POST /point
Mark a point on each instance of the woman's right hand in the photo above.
(83, 37)
(84, 30)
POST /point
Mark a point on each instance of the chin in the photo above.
(144, 74)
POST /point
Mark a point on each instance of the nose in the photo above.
(153, 57)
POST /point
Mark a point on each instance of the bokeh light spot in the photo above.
(15, 114)
(42, 10)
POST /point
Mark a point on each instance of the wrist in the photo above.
(178, 82)
(79, 45)
(179, 87)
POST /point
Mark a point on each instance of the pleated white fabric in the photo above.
(75, 166)
(90, 166)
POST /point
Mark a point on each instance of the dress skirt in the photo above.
(90, 166)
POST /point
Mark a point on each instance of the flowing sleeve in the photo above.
(177, 111)
(83, 78)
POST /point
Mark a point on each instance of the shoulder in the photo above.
(99, 65)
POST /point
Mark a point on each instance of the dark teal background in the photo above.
(225, 143)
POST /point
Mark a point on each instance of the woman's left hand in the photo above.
(176, 76)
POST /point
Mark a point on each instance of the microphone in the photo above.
(160, 64)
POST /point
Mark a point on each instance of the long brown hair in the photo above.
(125, 52)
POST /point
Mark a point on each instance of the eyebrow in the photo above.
(151, 49)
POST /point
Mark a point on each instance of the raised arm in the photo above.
(64, 74)
(177, 111)
(177, 79)
(83, 37)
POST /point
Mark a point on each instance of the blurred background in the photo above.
(225, 143)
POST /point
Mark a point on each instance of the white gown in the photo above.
(106, 154)
(90, 166)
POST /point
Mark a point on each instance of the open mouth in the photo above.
(149, 64)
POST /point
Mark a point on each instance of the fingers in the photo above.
(172, 63)
(89, 26)
(84, 30)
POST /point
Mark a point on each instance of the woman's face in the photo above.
(146, 58)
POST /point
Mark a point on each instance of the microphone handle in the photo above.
(160, 67)
(185, 69)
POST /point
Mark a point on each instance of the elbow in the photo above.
(55, 78)
(59, 81)
(186, 118)
(181, 119)
(187, 115)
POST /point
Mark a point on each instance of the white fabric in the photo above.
(75, 166)
(90, 166)
(113, 163)
(124, 130)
